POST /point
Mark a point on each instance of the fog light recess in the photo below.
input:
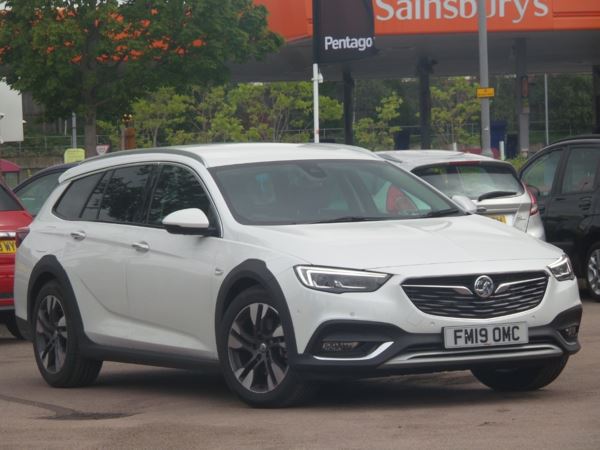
(570, 333)
(346, 349)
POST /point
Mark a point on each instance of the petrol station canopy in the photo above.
(561, 36)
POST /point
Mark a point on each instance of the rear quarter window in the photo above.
(73, 200)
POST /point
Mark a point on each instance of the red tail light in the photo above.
(534, 204)
(21, 235)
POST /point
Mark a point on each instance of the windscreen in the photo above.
(8, 202)
(472, 180)
(322, 191)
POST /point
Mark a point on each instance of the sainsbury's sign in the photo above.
(427, 16)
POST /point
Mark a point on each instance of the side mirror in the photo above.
(191, 221)
(465, 203)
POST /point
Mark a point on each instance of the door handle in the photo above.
(141, 246)
(78, 235)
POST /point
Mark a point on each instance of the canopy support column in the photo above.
(424, 71)
(522, 93)
(348, 108)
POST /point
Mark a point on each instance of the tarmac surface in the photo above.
(144, 407)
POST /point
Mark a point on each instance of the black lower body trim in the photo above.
(405, 343)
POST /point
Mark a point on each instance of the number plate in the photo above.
(499, 218)
(8, 247)
(486, 335)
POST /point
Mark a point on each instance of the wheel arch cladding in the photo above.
(48, 269)
(251, 273)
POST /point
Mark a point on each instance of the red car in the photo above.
(12, 217)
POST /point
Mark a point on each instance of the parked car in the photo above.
(34, 191)
(12, 217)
(492, 185)
(283, 264)
(564, 177)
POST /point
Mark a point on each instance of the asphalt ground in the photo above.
(144, 407)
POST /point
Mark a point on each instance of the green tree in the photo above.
(378, 134)
(91, 56)
(162, 110)
(454, 106)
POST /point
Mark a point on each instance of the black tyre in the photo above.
(55, 343)
(252, 341)
(11, 325)
(592, 272)
(527, 378)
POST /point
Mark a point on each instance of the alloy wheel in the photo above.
(51, 334)
(593, 272)
(256, 348)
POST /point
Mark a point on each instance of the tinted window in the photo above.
(540, 174)
(580, 172)
(7, 201)
(471, 180)
(92, 207)
(324, 191)
(124, 196)
(177, 188)
(34, 194)
(75, 197)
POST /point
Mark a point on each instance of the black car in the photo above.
(34, 191)
(565, 178)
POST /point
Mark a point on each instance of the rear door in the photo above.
(542, 176)
(570, 209)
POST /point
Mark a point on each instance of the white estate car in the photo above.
(284, 264)
(492, 185)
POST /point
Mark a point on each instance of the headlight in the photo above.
(338, 281)
(562, 269)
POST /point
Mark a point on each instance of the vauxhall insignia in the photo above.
(484, 286)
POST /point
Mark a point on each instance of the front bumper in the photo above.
(396, 351)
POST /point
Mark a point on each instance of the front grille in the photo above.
(455, 297)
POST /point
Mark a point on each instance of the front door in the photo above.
(170, 277)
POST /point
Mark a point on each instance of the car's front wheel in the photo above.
(253, 342)
(592, 271)
(55, 342)
(526, 378)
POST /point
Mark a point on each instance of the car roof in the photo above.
(410, 159)
(215, 155)
(583, 137)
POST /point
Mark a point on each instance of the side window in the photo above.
(541, 173)
(92, 207)
(35, 193)
(177, 188)
(123, 199)
(76, 196)
(580, 171)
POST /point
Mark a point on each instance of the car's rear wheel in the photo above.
(13, 328)
(253, 343)
(593, 272)
(55, 342)
(526, 378)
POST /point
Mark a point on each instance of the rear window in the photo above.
(471, 180)
(8, 202)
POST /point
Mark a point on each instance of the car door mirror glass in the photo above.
(187, 221)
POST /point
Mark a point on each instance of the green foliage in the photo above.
(91, 56)
(518, 162)
(454, 105)
(378, 134)
(161, 110)
(239, 113)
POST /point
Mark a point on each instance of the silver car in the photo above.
(492, 185)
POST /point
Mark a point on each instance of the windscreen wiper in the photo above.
(350, 219)
(496, 194)
(442, 213)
